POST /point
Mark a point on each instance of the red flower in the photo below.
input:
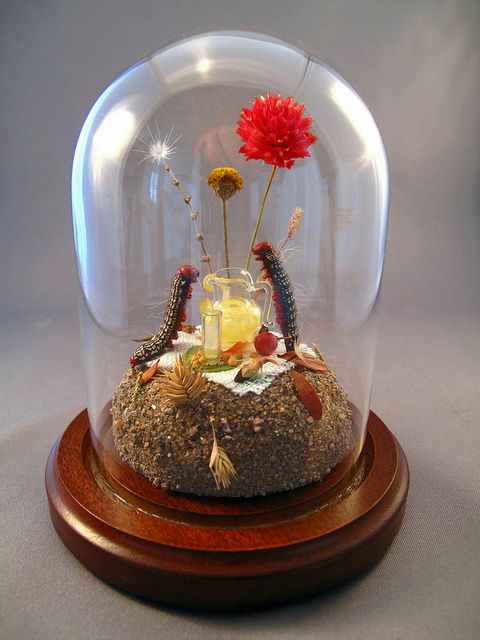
(275, 131)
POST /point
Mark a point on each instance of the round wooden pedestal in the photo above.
(225, 554)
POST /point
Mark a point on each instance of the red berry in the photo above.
(266, 343)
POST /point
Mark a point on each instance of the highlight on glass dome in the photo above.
(230, 203)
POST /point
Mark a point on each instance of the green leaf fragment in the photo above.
(212, 368)
(191, 353)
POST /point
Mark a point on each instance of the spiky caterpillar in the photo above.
(283, 298)
(180, 292)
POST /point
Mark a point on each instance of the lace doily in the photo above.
(226, 378)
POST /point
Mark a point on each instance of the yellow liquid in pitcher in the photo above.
(241, 320)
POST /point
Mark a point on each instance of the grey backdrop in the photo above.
(416, 64)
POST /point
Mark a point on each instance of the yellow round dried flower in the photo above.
(225, 181)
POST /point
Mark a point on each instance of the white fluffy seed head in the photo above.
(160, 150)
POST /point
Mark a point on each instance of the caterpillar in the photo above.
(283, 298)
(180, 292)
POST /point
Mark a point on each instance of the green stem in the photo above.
(259, 217)
(225, 231)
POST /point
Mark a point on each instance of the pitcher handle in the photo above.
(265, 286)
(207, 284)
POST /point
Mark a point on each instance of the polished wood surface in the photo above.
(224, 554)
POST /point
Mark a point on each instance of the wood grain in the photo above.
(224, 554)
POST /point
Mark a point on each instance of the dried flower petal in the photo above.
(238, 348)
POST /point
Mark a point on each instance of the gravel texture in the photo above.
(271, 439)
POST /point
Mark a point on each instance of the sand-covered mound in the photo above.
(271, 439)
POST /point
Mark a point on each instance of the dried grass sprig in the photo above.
(293, 225)
(136, 387)
(193, 215)
(220, 465)
(183, 384)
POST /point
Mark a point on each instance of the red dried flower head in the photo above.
(275, 131)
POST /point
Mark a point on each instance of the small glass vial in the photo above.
(211, 334)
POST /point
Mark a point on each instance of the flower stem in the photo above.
(259, 217)
(225, 231)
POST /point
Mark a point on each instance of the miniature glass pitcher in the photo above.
(234, 294)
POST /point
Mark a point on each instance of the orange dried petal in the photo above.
(238, 348)
(150, 372)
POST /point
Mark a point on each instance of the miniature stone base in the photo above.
(271, 439)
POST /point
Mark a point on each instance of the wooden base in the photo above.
(225, 554)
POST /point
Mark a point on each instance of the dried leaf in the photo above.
(240, 377)
(318, 352)
(292, 357)
(146, 339)
(289, 355)
(149, 373)
(307, 360)
(213, 368)
(307, 394)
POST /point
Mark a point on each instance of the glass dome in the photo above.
(152, 220)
